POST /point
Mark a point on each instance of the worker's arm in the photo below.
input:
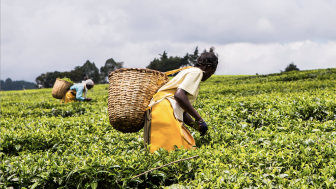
(181, 98)
(187, 119)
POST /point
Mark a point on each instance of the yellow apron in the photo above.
(70, 96)
(162, 129)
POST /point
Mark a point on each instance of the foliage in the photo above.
(269, 131)
(110, 65)
(8, 85)
(193, 57)
(90, 70)
(66, 79)
(291, 67)
(165, 63)
(48, 79)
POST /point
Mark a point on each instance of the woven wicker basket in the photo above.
(60, 88)
(130, 91)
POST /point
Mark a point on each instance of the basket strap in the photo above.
(177, 70)
(159, 96)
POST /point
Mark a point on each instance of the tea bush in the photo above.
(270, 131)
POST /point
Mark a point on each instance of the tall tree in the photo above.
(291, 67)
(90, 70)
(40, 80)
(8, 83)
(185, 61)
(76, 75)
(2, 85)
(51, 78)
(164, 63)
(110, 66)
(164, 56)
(193, 57)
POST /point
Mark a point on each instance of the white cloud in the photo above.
(39, 36)
(264, 25)
(247, 58)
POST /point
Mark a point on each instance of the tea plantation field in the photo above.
(268, 131)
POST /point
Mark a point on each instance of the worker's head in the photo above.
(89, 84)
(207, 62)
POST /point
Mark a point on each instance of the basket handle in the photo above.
(177, 70)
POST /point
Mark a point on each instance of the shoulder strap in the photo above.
(177, 70)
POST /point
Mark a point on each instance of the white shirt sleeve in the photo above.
(191, 82)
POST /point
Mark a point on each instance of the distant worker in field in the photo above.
(171, 107)
(76, 92)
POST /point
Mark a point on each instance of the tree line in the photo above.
(89, 69)
(163, 63)
(8, 85)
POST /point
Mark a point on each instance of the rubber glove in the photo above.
(203, 127)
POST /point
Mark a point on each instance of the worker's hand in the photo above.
(203, 127)
(87, 99)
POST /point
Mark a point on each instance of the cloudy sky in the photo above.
(250, 36)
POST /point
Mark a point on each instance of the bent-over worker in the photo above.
(171, 106)
(76, 92)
